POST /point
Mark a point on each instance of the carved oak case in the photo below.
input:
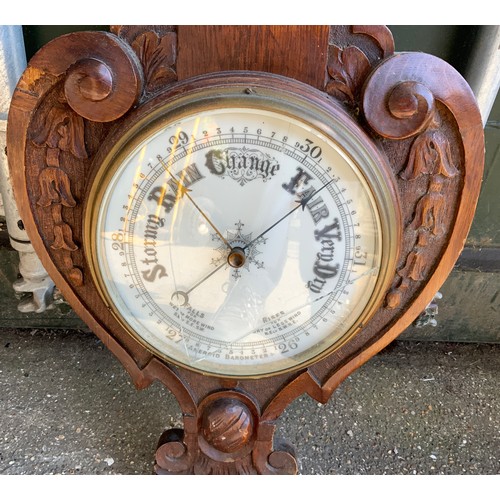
(83, 92)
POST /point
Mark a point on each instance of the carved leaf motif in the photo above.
(55, 188)
(429, 213)
(429, 154)
(62, 129)
(444, 162)
(63, 238)
(157, 55)
(348, 69)
(414, 267)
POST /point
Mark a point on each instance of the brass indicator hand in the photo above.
(182, 298)
(235, 259)
(301, 203)
(185, 191)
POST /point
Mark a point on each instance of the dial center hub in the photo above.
(236, 257)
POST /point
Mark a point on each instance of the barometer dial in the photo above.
(241, 240)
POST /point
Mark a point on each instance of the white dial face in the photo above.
(238, 242)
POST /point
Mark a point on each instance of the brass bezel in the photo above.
(296, 100)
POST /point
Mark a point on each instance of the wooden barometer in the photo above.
(245, 214)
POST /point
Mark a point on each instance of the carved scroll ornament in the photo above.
(398, 106)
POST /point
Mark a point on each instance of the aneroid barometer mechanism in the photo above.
(245, 214)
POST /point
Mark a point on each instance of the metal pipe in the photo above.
(483, 71)
(35, 280)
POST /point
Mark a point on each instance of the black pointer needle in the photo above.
(185, 191)
(302, 203)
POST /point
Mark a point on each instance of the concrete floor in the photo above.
(68, 407)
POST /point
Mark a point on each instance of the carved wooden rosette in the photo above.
(78, 92)
(227, 436)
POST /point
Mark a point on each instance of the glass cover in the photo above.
(238, 242)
